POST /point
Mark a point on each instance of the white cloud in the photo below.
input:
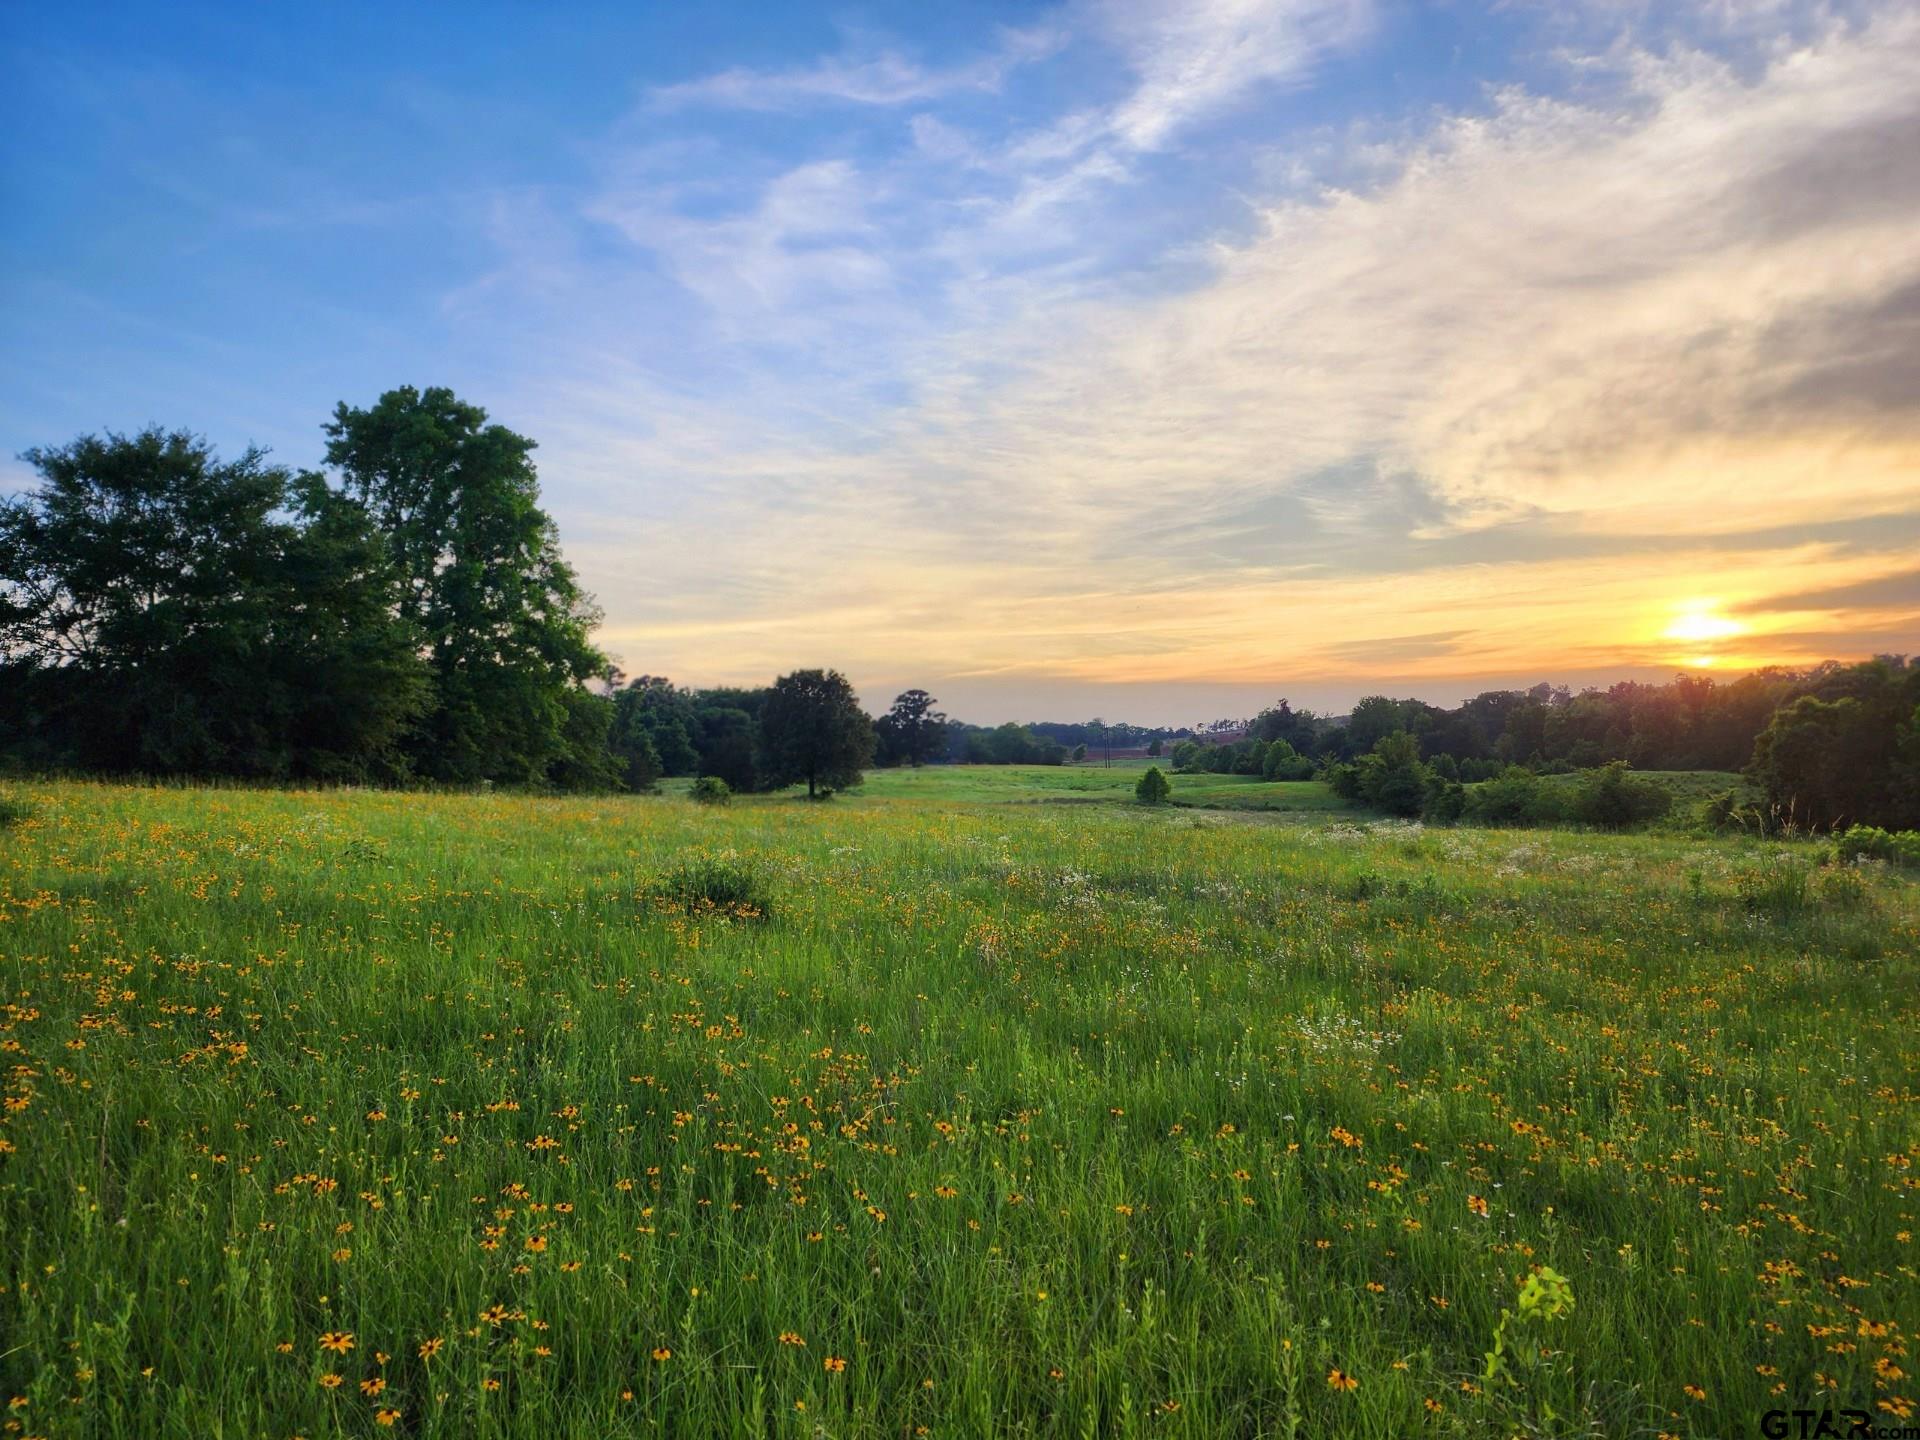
(1198, 57)
(885, 78)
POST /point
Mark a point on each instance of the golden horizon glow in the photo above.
(1699, 622)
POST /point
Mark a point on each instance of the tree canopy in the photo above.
(164, 612)
(501, 614)
(813, 729)
(912, 732)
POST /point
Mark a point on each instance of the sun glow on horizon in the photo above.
(1699, 622)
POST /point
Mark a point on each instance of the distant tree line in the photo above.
(1829, 747)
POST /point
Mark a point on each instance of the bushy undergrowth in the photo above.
(711, 790)
(1868, 842)
(13, 810)
(1613, 798)
(713, 884)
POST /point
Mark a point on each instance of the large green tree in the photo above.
(812, 729)
(502, 615)
(162, 611)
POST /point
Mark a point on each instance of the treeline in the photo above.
(1825, 748)
(1692, 723)
(402, 615)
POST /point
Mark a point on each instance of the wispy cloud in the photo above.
(1197, 58)
(882, 78)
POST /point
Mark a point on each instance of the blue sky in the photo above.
(1096, 357)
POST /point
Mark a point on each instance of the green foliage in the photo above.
(1612, 798)
(1391, 777)
(711, 790)
(1444, 802)
(713, 885)
(1343, 779)
(812, 729)
(726, 745)
(1521, 1367)
(587, 761)
(1869, 842)
(1185, 753)
(13, 810)
(1012, 744)
(1154, 787)
(653, 728)
(1282, 762)
(1375, 719)
(1513, 797)
(1844, 890)
(1849, 755)
(164, 612)
(912, 732)
(1728, 810)
(503, 618)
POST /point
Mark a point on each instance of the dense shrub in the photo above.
(1154, 787)
(713, 884)
(1390, 777)
(1513, 797)
(1727, 811)
(1343, 779)
(711, 790)
(1897, 847)
(1613, 799)
(1444, 802)
(1283, 762)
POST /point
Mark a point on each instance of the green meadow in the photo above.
(933, 1111)
(1070, 784)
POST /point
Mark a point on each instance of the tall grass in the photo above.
(329, 1113)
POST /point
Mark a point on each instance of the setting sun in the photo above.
(1698, 623)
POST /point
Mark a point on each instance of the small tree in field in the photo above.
(1079, 753)
(1154, 749)
(812, 729)
(1154, 788)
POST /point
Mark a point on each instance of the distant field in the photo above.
(987, 784)
(364, 1114)
(1004, 784)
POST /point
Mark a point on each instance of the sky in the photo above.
(1153, 361)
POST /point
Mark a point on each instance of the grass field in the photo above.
(364, 1114)
(1067, 784)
